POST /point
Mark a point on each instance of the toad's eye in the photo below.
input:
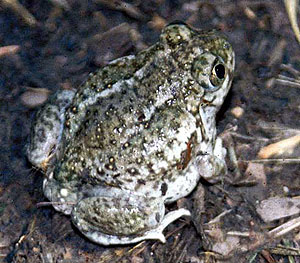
(220, 71)
(218, 74)
(209, 71)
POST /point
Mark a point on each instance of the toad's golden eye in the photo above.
(209, 71)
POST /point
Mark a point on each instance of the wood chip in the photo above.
(250, 13)
(276, 208)
(116, 39)
(68, 254)
(127, 8)
(34, 97)
(61, 3)
(237, 112)
(20, 10)
(284, 147)
(227, 246)
(157, 22)
(9, 50)
(277, 53)
(256, 172)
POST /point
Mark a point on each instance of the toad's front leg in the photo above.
(47, 129)
(212, 165)
(123, 219)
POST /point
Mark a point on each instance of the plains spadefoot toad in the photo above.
(137, 135)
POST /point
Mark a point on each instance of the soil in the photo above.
(66, 40)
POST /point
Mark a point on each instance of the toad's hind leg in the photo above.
(123, 220)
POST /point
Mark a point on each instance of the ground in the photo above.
(63, 41)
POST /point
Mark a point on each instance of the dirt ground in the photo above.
(58, 43)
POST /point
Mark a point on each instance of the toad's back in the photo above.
(133, 131)
(141, 118)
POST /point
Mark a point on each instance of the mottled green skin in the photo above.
(95, 126)
(139, 133)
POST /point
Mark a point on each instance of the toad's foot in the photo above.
(168, 219)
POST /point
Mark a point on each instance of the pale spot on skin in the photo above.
(64, 192)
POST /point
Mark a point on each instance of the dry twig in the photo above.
(20, 10)
(291, 7)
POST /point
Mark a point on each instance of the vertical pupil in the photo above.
(220, 71)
